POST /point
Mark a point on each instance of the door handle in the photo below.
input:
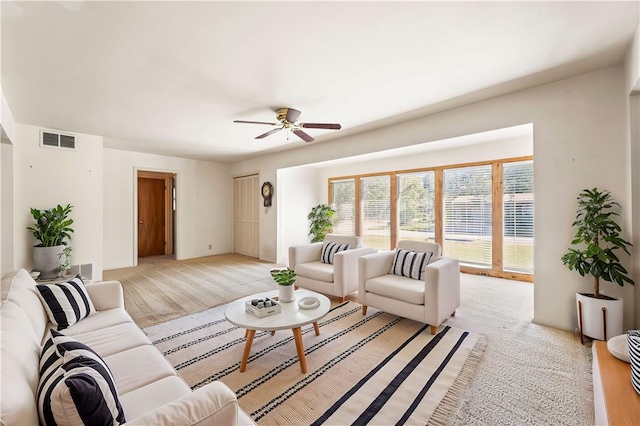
(140, 222)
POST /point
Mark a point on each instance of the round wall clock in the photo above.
(267, 193)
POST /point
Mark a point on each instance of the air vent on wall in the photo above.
(57, 140)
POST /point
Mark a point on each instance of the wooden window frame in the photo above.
(496, 269)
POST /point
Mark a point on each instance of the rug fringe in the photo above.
(451, 403)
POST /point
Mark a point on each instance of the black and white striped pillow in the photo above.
(66, 303)
(329, 250)
(77, 388)
(633, 337)
(410, 264)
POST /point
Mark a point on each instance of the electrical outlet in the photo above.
(209, 246)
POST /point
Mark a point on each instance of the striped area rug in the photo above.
(374, 369)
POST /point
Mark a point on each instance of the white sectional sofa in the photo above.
(149, 389)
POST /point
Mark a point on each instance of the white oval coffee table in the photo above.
(292, 317)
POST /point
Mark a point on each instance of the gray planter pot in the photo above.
(48, 260)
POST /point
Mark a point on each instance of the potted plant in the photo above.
(592, 252)
(321, 218)
(285, 278)
(52, 228)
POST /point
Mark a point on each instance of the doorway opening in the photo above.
(156, 215)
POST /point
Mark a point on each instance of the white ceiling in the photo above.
(170, 77)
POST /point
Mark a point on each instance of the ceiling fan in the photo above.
(287, 118)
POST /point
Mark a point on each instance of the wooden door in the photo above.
(151, 217)
(246, 210)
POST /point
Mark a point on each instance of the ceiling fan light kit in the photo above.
(287, 118)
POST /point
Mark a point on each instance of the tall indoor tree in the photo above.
(597, 239)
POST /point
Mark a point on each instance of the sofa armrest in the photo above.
(106, 295)
(345, 269)
(304, 253)
(213, 404)
(442, 289)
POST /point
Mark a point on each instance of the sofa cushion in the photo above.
(66, 303)
(410, 264)
(316, 271)
(114, 339)
(330, 249)
(138, 367)
(353, 240)
(397, 287)
(81, 390)
(98, 321)
(21, 289)
(20, 355)
(147, 398)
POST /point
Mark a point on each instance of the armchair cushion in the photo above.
(329, 250)
(316, 271)
(410, 264)
(398, 288)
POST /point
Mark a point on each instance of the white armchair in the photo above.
(338, 279)
(430, 301)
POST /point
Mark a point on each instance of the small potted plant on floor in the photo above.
(321, 222)
(285, 278)
(52, 228)
(592, 252)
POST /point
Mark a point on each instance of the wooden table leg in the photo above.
(316, 328)
(297, 335)
(247, 349)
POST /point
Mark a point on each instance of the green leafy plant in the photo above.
(597, 239)
(321, 218)
(284, 276)
(66, 263)
(53, 226)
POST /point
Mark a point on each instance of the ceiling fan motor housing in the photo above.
(283, 113)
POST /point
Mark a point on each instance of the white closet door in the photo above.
(246, 207)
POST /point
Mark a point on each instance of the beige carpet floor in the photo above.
(377, 368)
(529, 374)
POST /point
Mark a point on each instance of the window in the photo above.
(416, 206)
(480, 213)
(518, 217)
(467, 215)
(376, 211)
(343, 194)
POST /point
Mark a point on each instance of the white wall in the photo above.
(632, 86)
(46, 177)
(579, 142)
(7, 135)
(507, 148)
(203, 215)
(299, 193)
(7, 228)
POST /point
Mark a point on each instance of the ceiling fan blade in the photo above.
(270, 132)
(320, 126)
(256, 122)
(302, 135)
(292, 115)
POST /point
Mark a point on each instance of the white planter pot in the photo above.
(286, 293)
(47, 260)
(592, 319)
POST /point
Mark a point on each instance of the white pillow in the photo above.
(410, 264)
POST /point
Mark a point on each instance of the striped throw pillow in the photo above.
(66, 303)
(633, 336)
(410, 264)
(329, 250)
(78, 389)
